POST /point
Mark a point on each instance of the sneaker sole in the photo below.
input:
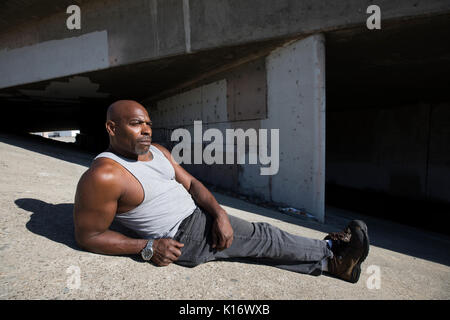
(356, 272)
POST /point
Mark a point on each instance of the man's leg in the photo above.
(260, 242)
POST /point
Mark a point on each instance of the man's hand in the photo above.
(166, 251)
(222, 232)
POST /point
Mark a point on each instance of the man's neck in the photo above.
(148, 156)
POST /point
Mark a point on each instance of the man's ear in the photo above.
(110, 127)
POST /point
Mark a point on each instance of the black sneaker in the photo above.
(350, 248)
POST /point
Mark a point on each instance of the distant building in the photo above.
(59, 134)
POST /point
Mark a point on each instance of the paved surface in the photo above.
(39, 258)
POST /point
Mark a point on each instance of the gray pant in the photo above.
(253, 242)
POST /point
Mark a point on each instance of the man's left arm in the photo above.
(222, 232)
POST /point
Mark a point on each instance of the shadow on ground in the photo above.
(55, 221)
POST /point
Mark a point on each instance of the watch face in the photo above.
(147, 252)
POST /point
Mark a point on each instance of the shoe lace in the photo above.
(340, 240)
(343, 236)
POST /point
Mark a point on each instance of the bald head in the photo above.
(129, 127)
(122, 109)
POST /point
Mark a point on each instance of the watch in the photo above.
(147, 252)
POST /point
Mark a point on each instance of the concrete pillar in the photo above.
(296, 106)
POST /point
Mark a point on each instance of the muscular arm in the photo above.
(222, 231)
(95, 207)
(96, 199)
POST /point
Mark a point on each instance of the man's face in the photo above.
(133, 132)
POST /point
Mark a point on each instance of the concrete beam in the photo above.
(145, 30)
(229, 22)
(53, 59)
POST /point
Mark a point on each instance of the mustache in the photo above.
(148, 139)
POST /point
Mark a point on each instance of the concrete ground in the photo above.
(39, 258)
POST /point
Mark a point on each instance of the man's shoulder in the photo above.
(103, 179)
(104, 171)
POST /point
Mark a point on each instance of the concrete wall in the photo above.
(283, 91)
(401, 151)
(229, 100)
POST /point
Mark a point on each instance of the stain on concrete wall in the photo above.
(246, 92)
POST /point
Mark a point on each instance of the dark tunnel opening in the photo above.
(388, 122)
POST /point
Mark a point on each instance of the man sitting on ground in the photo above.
(138, 183)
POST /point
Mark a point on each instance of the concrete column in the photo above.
(296, 106)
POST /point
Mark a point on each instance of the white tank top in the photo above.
(166, 202)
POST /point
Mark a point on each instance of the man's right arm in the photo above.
(96, 199)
